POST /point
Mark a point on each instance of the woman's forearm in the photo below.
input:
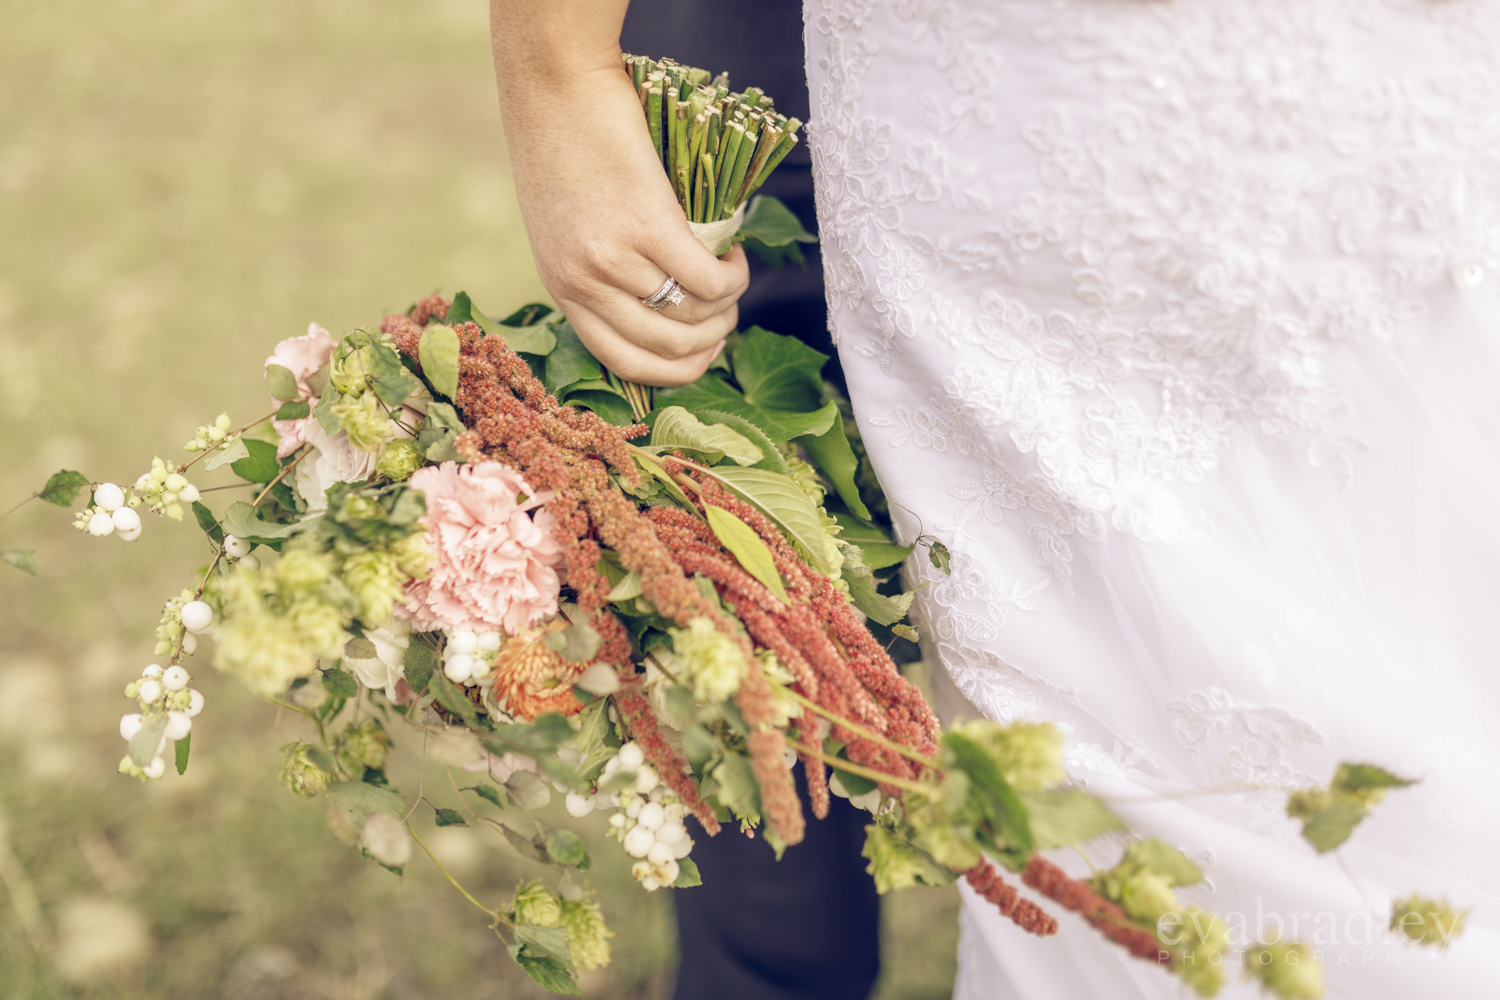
(547, 45)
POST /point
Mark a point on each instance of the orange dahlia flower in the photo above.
(531, 679)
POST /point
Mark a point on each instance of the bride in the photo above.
(1176, 321)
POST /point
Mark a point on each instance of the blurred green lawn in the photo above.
(183, 183)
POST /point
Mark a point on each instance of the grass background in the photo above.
(182, 184)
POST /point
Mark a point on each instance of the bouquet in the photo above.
(465, 536)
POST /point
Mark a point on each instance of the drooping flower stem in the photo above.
(861, 730)
(840, 764)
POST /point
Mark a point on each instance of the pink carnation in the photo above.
(496, 564)
(302, 356)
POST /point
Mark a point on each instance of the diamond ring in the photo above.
(669, 294)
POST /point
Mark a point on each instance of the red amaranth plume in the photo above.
(985, 880)
(1111, 921)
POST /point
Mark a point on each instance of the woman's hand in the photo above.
(605, 227)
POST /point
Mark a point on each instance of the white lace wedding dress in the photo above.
(1178, 321)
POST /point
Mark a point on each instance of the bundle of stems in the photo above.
(717, 146)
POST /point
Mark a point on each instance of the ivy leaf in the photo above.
(531, 314)
(687, 874)
(438, 352)
(341, 683)
(712, 393)
(566, 848)
(207, 522)
(144, 743)
(569, 361)
(418, 662)
(391, 381)
(526, 330)
(64, 488)
(677, 429)
(450, 817)
(741, 540)
(184, 747)
(599, 396)
(783, 501)
(779, 373)
(295, 409)
(575, 643)
(260, 464)
(281, 382)
(1067, 816)
(864, 590)
(771, 458)
(768, 220)
(22, 559)
(227, 456)
(832, 454)
(738, 789)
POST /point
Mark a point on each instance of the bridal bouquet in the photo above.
(465, 537)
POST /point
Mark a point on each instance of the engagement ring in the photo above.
(669, 294)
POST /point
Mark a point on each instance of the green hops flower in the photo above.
(1289, 970)
(413, 555)
(535, 905)
(896, 864)
(1427, 921)
(319, 625)
(300, 773)
(356, 510)
(1029, 754)
(347, 369)
(302, 570)
(588, 937)
(263, 649)
(806, 478)
(951, 842)
(714, 662)
(377, 583)
(1205, 946)
(399, 459)
(1146, 895)
(365, 421)
(361, 746)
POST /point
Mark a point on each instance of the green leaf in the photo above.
(906, 632)
(450, 817)
(418, 662)
(613, 407)
(566, 848)
(340, 683)
(628, 589)
(854, 784)
(543, 953)
(831, 453)
(22, 559)
(241, 522)
(538, 738)
(574, 643)
(687, 874)
(783, 501)
(660, 475)
(461, 310)
(779, 373)
(228, 456)
(741, 540)
(524, 330)
(438, 352)
(864, 590)
(569, 361)
(184, 747)
(260, 465)
(1009, 831)
(1164, 859)
(769, 220)
(452, 698)
(281, 382)
(738, 788)
(531, 314)
(712, 393)
(295, 409)
(676, 429)
(391, 381)
(64, 489)
(358, 799)
(323, 411)
(528, 791)
(771, 458)
(1067, 816)
(438, 431)
(941, 557)
(488, 793)
(1358, 777)
(207, 522)
(1328, 828)
(144, 743)
(698, 744)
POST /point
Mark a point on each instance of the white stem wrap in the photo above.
(718, 235)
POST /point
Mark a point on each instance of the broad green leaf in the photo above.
(865, 592)
(538, 738)
(184, 747)
(853, 784)
(281, 382)
(531, 314)
(698, 744)
(1358, 777)
(340, 683)
(295, 409)
(438, 431)
(741, 540)
(738, 788)
(769, 220)
(450, 817)
(260, 465)
(241, 522)
(1164, 859)
(783, 501)
(566, 848)
(64, 488)
(461, 310)
(538, 340)
(359, 799)
(489, 793)
(906, 632)
(771, 458)
(144, 743)
(438, 352)
(1067, 816)
(593, 726)
(1328, 828)
(779, 373)
(677, 429)
(548, 973)
(712, 393)
(418, 662)
(687, 874)
(569, 361)
(452, 698)
(528, 791)
(22, 559)
(323, 412)
(547, 947)
(575, 643)
(1009, 833)
(392, 382)
(628, 588)
(613, 407)
(831, 453)
(680, 701)
(236, 451)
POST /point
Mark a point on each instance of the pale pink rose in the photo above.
(333, 460)
(497, 562)
(301, 356)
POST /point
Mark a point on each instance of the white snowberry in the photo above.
(195, 703)
(109, 498)
(236, 548)
(151, 671)
(178, 725)
(250, 562)
(671, 834)
(156, 768)
(458, 667)
(634, 808)
(189, 644)
(682, 850)
(638, 841)
(175, 678)
(646, 780)
(126, 520)
(150, 691)
(659, 854)
(129, 726)
(188, 494)
(652, 816)
(197, 617)
(176, 482)
(101, 524)
(617, 821)
(631, 756)
(128, 536)
(463, 641)
(487, 642)
(578, 806)
(600, 679)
